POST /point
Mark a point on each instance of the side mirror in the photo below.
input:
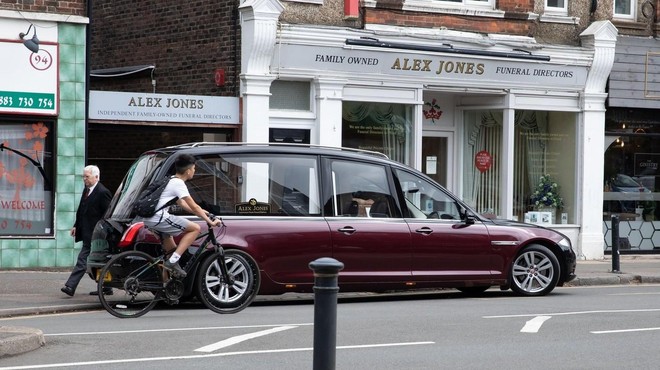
(468, 217)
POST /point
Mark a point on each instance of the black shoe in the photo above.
(175, 269)
(105, 292)
(68, 290)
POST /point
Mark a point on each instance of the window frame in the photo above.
(310, 104)
(633, 10)
(231, 185)
(449, 6)
(555, 9)
(26, 215)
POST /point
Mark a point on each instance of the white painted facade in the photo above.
(495, 76)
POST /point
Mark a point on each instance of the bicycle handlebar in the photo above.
(213, 217)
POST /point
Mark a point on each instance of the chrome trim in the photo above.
(500, 243)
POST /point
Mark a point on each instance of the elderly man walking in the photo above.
(93, 204)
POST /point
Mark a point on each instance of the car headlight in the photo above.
(566, 243)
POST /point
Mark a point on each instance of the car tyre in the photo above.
(535, 271)
(220, 297)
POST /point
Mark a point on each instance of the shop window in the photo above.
(380, 127)
(290, 95)
(544, 165)
(544, 150)
(625, 9)
(26, 178)
(632, 178)
(482, 150)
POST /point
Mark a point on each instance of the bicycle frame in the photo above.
(217, 247)
(209, 237)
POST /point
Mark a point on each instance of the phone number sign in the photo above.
(29, 80)
(10, 99)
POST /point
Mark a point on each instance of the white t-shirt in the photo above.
(175, 188)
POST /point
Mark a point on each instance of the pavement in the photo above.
(37, 292)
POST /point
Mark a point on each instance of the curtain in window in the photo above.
(378, 126)
(484, 132)
(530, 149)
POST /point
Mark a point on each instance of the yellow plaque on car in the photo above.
(252, 207)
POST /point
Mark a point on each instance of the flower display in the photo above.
(547, 194)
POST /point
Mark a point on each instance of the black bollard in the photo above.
(326, 270)
(615, 243)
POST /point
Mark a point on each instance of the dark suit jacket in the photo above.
(90, 211)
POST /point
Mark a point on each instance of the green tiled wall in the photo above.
(60, 250)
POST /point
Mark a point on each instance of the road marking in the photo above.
(533, 325)
(570, 313)
(623, 331)
(241, 338)
(28, 316)
(226, 354)
(175, 329)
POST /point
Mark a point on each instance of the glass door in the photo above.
(437, 156)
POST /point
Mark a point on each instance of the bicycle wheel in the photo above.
(137, 282)
(216, 294)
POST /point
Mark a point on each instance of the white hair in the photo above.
(93, 170)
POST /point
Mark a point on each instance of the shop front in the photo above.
(631, 181)
(511, 126)
(42, 136)
(123, 125)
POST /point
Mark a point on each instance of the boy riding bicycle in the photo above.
(167, 225)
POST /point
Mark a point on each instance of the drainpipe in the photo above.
(88, 44)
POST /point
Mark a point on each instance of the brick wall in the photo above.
(511, 24)
(73, 7)
(186, 41)
(114, 147)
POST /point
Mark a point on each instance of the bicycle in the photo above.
(226, 281)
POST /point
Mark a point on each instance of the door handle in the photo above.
(424, 230)
(346, 230)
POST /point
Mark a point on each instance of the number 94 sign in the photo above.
(42, 60)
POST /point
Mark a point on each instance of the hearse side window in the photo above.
(257, 185)
(426, 200)
(359, 190)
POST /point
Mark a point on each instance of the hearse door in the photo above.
(368, 233)
(444, 246)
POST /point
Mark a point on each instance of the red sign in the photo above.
(483, 160)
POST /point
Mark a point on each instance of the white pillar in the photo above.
(506, 166)
(255, 91)
(601, 36)
(258, 37)
(329, 93)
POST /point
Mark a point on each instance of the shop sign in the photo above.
(483, 161)
(129, 106)
(30, 80)
(646, 164)
(428, 67)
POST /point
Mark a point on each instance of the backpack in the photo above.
(146, 202)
